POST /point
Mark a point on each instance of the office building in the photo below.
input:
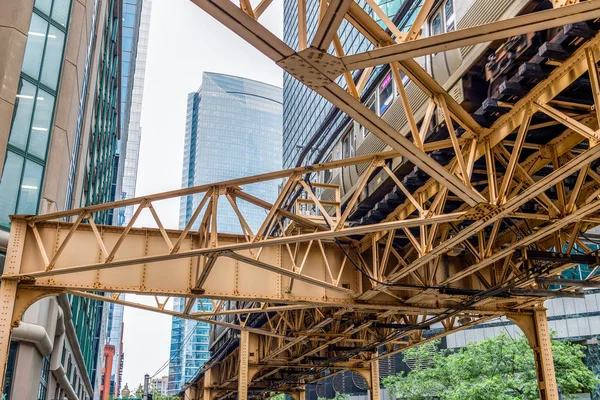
(109, 354)
(160, 385)
(58, 126)
(135, 29)
(233, 129)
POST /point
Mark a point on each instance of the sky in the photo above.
(184, 42)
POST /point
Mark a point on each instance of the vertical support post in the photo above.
(191, 393)
(8, 295)
(8, 291)
(243, 370)
(207, 395)
(375, 388)
(248, 354)
(535, 328)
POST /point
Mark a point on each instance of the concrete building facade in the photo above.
(58, 102)
(160, 385)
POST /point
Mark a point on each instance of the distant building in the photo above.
(233, 129)
(160, 385)
(109, 354)
(136, 15)
(136, 32)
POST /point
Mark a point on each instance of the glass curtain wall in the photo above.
(27, 149)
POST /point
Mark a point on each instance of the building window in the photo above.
(69, 367)
(20, 186)
(10, 368)
(44, 378)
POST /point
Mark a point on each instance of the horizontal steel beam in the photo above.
(568, 282)
(589, 259)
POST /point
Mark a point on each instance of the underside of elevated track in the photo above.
(484, 236)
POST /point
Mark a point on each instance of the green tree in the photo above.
(499, 368)
(338, 396)
(158, 396)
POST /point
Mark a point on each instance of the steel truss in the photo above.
(337, 296)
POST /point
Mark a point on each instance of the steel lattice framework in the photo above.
(338, 296)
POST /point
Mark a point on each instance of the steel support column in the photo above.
(248, 354)
(535, 328)
(191, 393)
(207, 391)
(8, 293)
(375, 389)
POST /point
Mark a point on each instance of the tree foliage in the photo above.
(158, 396)
(499, 368)
(338, 396)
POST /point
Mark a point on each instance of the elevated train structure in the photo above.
(503, 189)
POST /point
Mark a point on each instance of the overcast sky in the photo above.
(184, 42)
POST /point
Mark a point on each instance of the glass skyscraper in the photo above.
(135, 28)
(233, 129)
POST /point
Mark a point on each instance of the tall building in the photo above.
(58, 125)
(109, 354)
(233, 129)
(136, 15)
(136, 32)
(160, 385)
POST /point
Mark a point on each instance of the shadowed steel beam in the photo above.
(502, 211)
(533, 22)
(567, 282)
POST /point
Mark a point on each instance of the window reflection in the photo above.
(23, 111)
(9, 186)
(36, 37)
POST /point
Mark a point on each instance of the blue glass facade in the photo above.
(31, 129)
(189, 345)
(130, 22)
(304, 111)
(233, 129)
(136, 29)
